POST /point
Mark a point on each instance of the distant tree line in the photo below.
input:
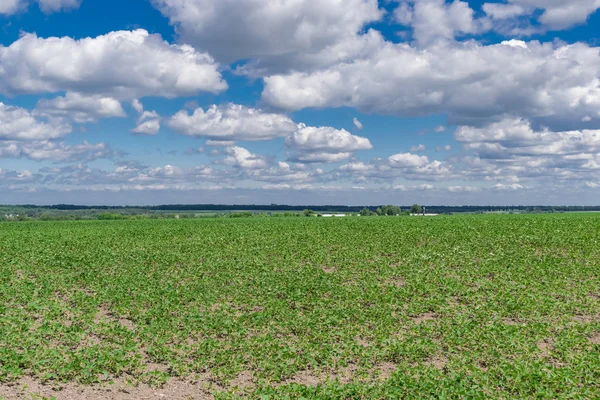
(325, 208)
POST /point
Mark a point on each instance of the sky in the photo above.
(354, 102)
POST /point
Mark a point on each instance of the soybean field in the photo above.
(472, 307)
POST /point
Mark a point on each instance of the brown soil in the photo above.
(306, 378)
(586, 319)
(245, 380)
(28, 388)
(437, 362)
(512, 321)
(385, 370)
(328, 269)
(545, 348)
(104, 315)
(178, 389)
(424, 317)
(396, 282)
(483, 366)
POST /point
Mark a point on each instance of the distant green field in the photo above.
(497, 306)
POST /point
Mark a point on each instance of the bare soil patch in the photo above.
(105, 315)
(90, 340)
(385, 370)
(306, 378)
(437, 362)
(545, 348)
(245, 380)
(424, 317)
(483, 365)
(595, 339)
(397, 282)
(586, 319)
(328, 269)
(512, 321)
(28, 388)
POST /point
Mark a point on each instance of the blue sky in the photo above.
(256, 101)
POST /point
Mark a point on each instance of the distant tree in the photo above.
(110, 216)
(45, 217)
(241, 215)
(379, 211)
(390, 210)
(416, 209)
(365, 212)
(308, 213)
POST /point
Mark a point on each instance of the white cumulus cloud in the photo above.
(19, 124)
(121, 64)
(232, 122)
(243, 29)
(80, 108)
(243, 158)
(552, 83)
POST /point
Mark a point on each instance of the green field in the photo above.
(447, 307)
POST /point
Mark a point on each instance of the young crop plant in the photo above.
(480, 306)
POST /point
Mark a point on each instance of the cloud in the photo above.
(9, 7)
(123, 64)
(19, 124)
(132, 176)
(256, 29)
(284, 172)
(551, 83)
(137, 106)
(418, 149)
(232, 122)
(80, 108)
(321, 157)
(357, 124)
(434, 20)
(242, 158)
(150, 127)
(50, 6)
(408, 160)
(516, 137)
(406, 166)
(355, 167)
(513, 149)
(8, 176)
(414, 167)
(148, 122)
(512, 187)
(555, 15)
(503, 11)
(440, 129)
(463, 189)
(220, 143)
(325, 144)
(56, 151)
(145, 115)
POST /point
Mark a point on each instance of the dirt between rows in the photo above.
(29, 388)
(177, 389)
